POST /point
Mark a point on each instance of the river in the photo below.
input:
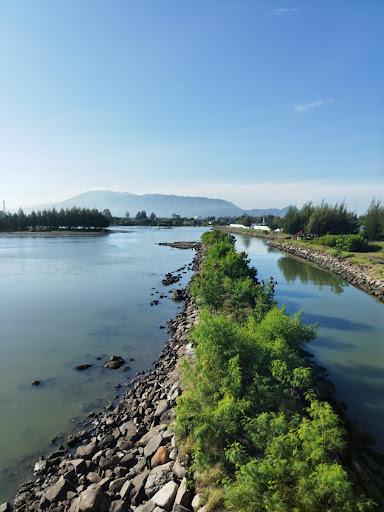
(71, 300)
(66, 301)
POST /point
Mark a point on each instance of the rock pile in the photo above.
(351, 272)
(127, 459)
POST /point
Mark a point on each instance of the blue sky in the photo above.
(260, 102)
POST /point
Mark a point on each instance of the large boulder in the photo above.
(57, 491)
(93, 499)
(152, 445)
(166, 496)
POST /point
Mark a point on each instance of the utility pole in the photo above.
(3, 206)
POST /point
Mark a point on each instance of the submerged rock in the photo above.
(114, 362)
(81, 367)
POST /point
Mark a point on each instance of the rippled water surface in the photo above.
(66, 301)
(350, 341)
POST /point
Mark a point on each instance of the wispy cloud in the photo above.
(284, 11)
(305, 107)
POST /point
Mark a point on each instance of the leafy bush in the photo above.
(348, 243)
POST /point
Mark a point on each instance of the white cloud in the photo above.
(283, 11)
(304, 107)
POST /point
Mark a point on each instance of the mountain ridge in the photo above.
(163, 205)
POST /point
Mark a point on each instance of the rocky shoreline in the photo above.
(351, 272)
(357, 275)
(125, 458)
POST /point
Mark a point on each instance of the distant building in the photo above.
(261, 227)
(238, 226)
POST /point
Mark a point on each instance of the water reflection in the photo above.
(293, 269)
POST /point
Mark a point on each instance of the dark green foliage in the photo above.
(320, 220)
(348, 243)
(334, 220)
(225, 279)
(53, 219)
(292, 222)
(373, 221)
(260, 439)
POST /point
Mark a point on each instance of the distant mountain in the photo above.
(119, 203)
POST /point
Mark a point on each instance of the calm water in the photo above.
(350, 341)
(66, 301)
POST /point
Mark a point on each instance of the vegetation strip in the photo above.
(251, 415)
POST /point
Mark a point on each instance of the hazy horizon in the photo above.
(257, 103)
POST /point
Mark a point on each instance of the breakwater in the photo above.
(355, 274)
(351, 272)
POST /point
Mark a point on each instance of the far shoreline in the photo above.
(63, 233)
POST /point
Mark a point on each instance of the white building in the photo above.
(238, 226)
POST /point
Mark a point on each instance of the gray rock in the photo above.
(117, 484)
(114, 362)
(162, 406)
(197, 501)
(151, 433)
(138, 482)
(184, 495)
(82, 367)
(57, 491)
(180, 508)
(93, 477)
(166, 496)
(6, 507)
(125, 488)
(128, 430)
(153, 445)
(93, 499)
(179, 470)
(86, 451)
(148, 506)
(157, 478)
(119, 506)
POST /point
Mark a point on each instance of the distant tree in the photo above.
(246, 220)
(127, 215)
(373, 221)
(152, 217)
(107, 213)
(333, 220)
(292, 222)
(141, 215)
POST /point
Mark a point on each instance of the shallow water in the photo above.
(70, 300)
(350, 341)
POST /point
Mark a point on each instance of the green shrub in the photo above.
(347, 243)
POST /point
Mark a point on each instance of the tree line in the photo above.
(259, 436)
(53, 219)
(327, 219)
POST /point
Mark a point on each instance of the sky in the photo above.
(262, 103)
